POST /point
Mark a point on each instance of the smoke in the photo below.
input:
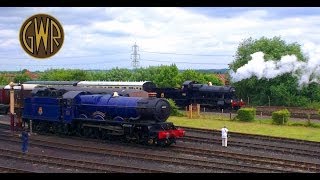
(306, 72)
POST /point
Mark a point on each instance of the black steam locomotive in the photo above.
(207, 95)
(104, 116)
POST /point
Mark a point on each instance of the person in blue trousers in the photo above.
(25, 141)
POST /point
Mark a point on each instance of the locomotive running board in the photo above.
(112, 128)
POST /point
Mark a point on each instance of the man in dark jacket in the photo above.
(25, 141)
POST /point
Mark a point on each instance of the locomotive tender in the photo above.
(105, 116)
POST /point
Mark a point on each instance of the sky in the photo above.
(191, 37)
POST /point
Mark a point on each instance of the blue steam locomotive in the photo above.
(103, 116)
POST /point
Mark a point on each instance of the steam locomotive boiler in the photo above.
(103, 116)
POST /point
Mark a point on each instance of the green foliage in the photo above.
(281, 116)
(174, 109)
(21, 78)
(279, 91)
(3, 80)
(273, 48)
(199, 77)
(64, 75)
(246, 114)
(162, 76)
(118, 74)
(313, 105)
(166, 76)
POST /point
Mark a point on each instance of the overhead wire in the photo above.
(154, 52)
(101, 62)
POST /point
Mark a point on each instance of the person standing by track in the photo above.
(224, 136)
(25, 141)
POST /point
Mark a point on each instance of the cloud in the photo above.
(96, 32)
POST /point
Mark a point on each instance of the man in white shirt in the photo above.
(224, 136)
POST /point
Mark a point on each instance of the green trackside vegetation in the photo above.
(293, 129)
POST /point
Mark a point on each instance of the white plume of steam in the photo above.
(306, 72)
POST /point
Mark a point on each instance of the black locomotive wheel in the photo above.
(52, 128)
(34, 126)
(41, 128)
(87, 132)
(79, 130)
(63, 129)
(97, 133)
(104, 134)
(137, 138)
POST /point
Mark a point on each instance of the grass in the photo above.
(295, 130)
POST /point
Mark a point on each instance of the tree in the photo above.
(166, 76)
(199, 77)
(281, 90)
(64, 75)
(3, 80)
(273, 48)
(21, 78)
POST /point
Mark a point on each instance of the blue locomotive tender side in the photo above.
(43, 108)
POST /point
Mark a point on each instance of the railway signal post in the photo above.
(11, 106)
(19, 105)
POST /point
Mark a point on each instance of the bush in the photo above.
(174, 108)
(246, 114)
(281, 116)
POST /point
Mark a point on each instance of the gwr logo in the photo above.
(40, 111)
(41, 36)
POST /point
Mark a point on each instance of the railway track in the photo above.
(249, 163)
(64, 162)
(188, 162)
(296, 112)
(13, 170)
(238, 140)
(265, 147)
(257, 137)
(246, 165)
(70, 163)
(290, 165)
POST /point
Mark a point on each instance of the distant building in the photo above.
(223, 78)
(10, 76)
(31, 75)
